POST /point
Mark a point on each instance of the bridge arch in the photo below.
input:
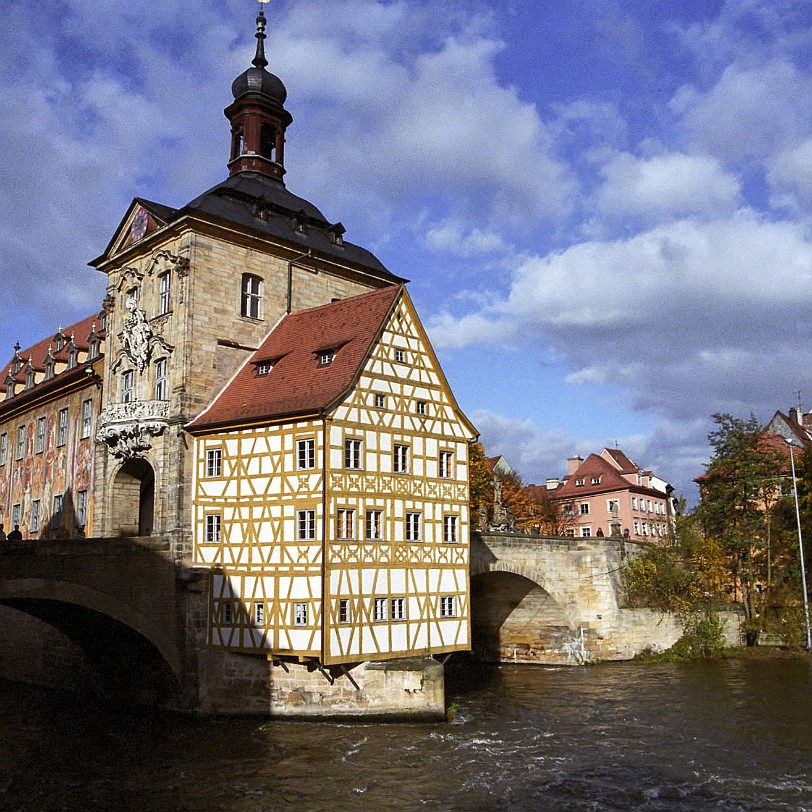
(134, 663)
(516, 617)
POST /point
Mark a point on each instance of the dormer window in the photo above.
(49, 370)
(72, 357)
(263, 368)
(596, 480)
(59, 340)
(579, 482)
(336, 233)
(326, 357)
(93, 349)
(29, 378)
(103, 320)
(9, 389)
(300, 222)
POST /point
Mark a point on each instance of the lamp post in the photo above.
(800, 545)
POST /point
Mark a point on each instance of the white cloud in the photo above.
(790, 176)
(750, 113)
(666, 186)
(451, 236)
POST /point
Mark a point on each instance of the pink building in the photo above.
(608, 494)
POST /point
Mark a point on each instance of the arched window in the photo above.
(267, 141)
(237, 143)
(251, 299)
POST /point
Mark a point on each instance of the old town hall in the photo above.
(259, 391)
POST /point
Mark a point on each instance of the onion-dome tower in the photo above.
(258, 117)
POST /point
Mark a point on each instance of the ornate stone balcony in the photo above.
(128, 428)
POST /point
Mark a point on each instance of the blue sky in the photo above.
(604, 207)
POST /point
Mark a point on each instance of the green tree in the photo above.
(741, 511)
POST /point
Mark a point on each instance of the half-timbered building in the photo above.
(331, 490)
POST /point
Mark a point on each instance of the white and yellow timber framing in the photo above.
(331, 598)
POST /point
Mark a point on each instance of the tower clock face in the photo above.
(139, 225)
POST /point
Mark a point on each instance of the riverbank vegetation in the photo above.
(740, 545)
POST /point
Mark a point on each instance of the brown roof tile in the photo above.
(297, 383)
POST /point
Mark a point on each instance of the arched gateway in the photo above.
(133, 499)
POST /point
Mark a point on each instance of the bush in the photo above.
(704, 636)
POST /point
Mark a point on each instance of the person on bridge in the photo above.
(15, 534)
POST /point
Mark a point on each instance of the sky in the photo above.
(603, 206)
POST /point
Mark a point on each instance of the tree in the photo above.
(480, 483)
(740, 509)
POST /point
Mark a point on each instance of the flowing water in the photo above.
(714, 735)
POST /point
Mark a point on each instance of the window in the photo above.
(586, 532)
(352, 453)
(3, 448)
(40, 443)
(93, 351)
(10, 389)
(259, 613)
(634, 503)
(72, 358)
(326, 358)
(49, 370)
(579, 482)
(35, 510)
(213, 528)
(379, 610)
(251, 304)
(648, 505)
(446, 464)
(401, 459)
(263, 368)
(306, 525)
(420, 407)
(450, 529)
(81, 508)
(613, 505)
(160, 379)
(344, 611)
(566, 509)
(400, 356)
(637, 528)
(29, 378)
(56, 518)
(87, 417)
(448, 606)
(62, 431)
(596, 480)
(305, 454)
(214, 462)
(228, 613)
(583, 509)
(300, 614)
(380, 401)
(398, 609)
(127, 387)
(374, 525)
(15, 515)
(20, 442)
(164, 281)
(413, 527)
(345, 524)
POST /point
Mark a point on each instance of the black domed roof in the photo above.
(258, 80)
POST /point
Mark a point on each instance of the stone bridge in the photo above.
(120, 612)
(546, 599)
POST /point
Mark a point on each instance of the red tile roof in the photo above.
(610, 480)
(38, 352)
(296, 382)
(625, 465)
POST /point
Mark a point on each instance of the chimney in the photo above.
(552, 483)
(796, 415)
(572, 464)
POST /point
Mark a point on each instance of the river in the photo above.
(704, 735)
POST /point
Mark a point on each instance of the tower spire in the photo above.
(259, 60)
